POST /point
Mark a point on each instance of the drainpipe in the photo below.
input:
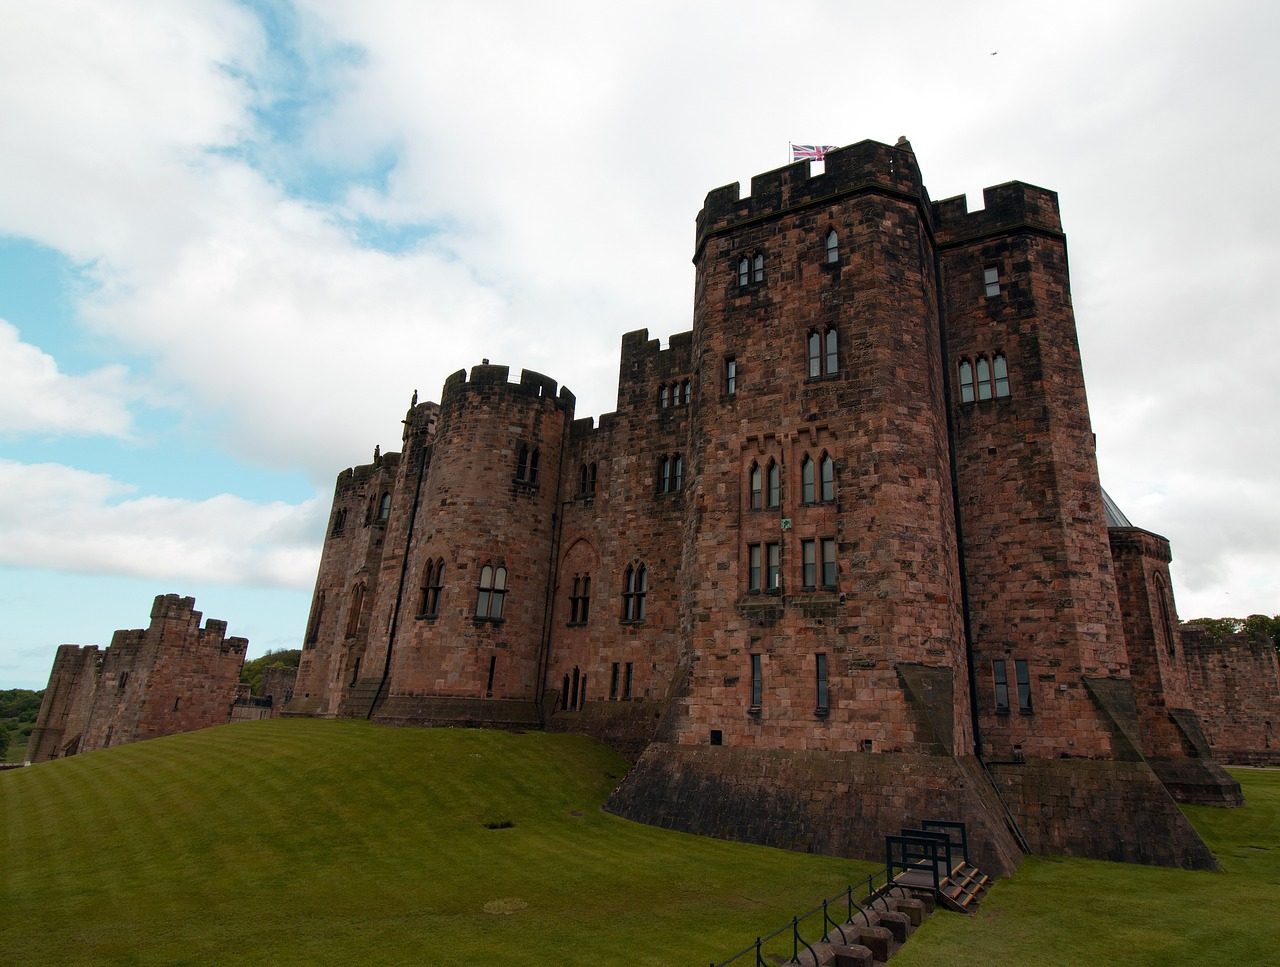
(421, 455)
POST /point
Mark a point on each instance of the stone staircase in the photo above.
(925, 867)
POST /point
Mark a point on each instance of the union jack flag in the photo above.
(811, 152)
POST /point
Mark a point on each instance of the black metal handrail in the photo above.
(852, 908)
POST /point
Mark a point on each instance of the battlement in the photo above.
(867, 165)
(173, 606)
(1013, 205)
(353, 476)
(637, 347)
(489, 377)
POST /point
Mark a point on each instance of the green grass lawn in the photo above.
(304, 841)
(1059, 912)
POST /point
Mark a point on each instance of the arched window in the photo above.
(663, 399)
(827, 468)
(339, 521)
(491, 592)
(757, 491)
(522, 462)
(807, 490)
(757, 268)
(744, 271)
(833, 247)
(356, 610)
(635, 586)
(384, 507)
(677, 472)
(824, 352)
(313, 626)
(533, 467)
(582, 481)
(684, 393)
(966, 381)
(1001, 372)
(773, 498)
(432, 583)
(984, 378)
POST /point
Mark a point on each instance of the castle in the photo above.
(172, 676)
(839, 560)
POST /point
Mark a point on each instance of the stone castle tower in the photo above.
(840, 559)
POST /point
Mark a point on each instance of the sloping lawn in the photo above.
(325, 842)
(1059, 912)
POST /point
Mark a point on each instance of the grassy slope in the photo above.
(306, 841)
(1058, 911)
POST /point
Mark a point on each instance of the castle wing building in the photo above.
(839, 561)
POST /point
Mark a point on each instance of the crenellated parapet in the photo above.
(1013, 206)
(865, 166)
(489, 379)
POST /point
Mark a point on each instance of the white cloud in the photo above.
(560, 155)
(60, 518)
(36, 398)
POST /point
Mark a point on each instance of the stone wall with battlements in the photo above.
(172, 676)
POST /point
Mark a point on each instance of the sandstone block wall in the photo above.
(173, 676)
(1236, 684)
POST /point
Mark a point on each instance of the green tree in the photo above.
(1216, 629)
(4, 741)
(1260, 624)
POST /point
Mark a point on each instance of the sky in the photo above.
(236, 236)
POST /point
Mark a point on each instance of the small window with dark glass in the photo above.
(756, 487)
(491, 593)
(730, 376)
(774, 496)
(757, 683)
(1002, 685)
(824, 696)
(773, 566)
(1000, 369)
(809, 564)
(827, 470)
(807, 489)
(828, 562)
(833, 247)
(1024, 686)
(753, 567)
(966, 381)
(635, 586)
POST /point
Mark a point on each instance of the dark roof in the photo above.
(1115, 516)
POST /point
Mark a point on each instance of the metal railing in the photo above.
(842, 901)
(933, 848)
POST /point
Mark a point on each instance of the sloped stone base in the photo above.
(1200, 782)
(1102, 809)
(838, 803)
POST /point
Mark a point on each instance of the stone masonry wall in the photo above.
(173, 676)
(1236, 684)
